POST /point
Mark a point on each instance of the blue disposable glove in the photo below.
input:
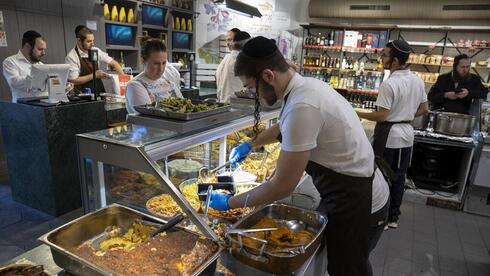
(219, 201)
(239, 153)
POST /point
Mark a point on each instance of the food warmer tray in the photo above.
(185, 126)
(153, 111)
(278, 263)
(86, 227)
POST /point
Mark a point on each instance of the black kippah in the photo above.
(401, 46)
(241, 36)
(259, 47)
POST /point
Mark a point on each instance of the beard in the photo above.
(458, 78)
(33, 58)
(268, 94)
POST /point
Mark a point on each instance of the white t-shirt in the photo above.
(17, 72)
(319, 119)
(226, 81)
(141, 90)
(74, 61)
(402, 93)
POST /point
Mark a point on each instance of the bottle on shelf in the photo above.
(114, 15)
(122, 15)
(177, 23)
(131, 18)
(331, 41)
(318, 38)
(183, 26)
(107, 13)
(189, 25)
(337, 63)
(122, 60)
(322, 40)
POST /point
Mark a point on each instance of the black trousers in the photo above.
(379, 219)
(399, 160)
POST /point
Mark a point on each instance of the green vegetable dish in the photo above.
(184, 105)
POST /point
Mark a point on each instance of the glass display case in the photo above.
(142, 167)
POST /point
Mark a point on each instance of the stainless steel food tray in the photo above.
(92, 224)
(278, 263)
(158, 112)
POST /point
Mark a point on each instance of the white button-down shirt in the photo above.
(226, 81)
(17, 71)
(74, 61)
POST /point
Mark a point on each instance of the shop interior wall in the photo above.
(54, 19)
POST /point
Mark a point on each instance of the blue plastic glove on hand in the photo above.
(219, 201)
(239, 153)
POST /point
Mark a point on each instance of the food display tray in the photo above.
(188, 116)
(185, 126)
(86, 227)
(278, 263)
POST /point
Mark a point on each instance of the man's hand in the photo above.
(101, 74)
(463, 94)
(451, 95)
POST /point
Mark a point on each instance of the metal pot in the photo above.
(421, 122)
(454, 124)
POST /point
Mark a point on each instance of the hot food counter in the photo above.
(153, 172)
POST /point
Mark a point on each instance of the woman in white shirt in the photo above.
(158, 80)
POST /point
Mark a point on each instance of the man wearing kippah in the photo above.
(226, 81)
(321, 134)
(400, 99)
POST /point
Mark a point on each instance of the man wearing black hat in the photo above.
(454, 91)
(226, 81)
(320, 134)
(400, 99)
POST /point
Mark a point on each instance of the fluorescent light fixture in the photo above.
(240, 8)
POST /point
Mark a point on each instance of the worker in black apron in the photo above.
(337, 154)
(81, 68)
(401, 97)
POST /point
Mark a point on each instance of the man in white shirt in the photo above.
(320, 134)
(81, 69)
(226, 82)
(17, 68)
(400, 99)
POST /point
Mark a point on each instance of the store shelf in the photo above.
(121, 48)
(174, 9)
(361, 91)
(155, 27)
(121, 23)
(449, 45)
(179, 31)
(315, 68)
(344, 49)
(184, 70)
(181, 50)
(430, 64)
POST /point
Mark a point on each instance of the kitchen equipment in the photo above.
(74, 233)
(421, 122)
(159, 112)
(205, 172)
(454, 124)
(203, 189)
(238, 230)
(171, 223)
(283, 262)
(23, 269)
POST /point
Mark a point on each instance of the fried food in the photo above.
(133, 253)
(277, 239)
(165, 206)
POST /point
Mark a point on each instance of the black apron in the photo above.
(381, 132)
(86, 68)
(346, 201)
